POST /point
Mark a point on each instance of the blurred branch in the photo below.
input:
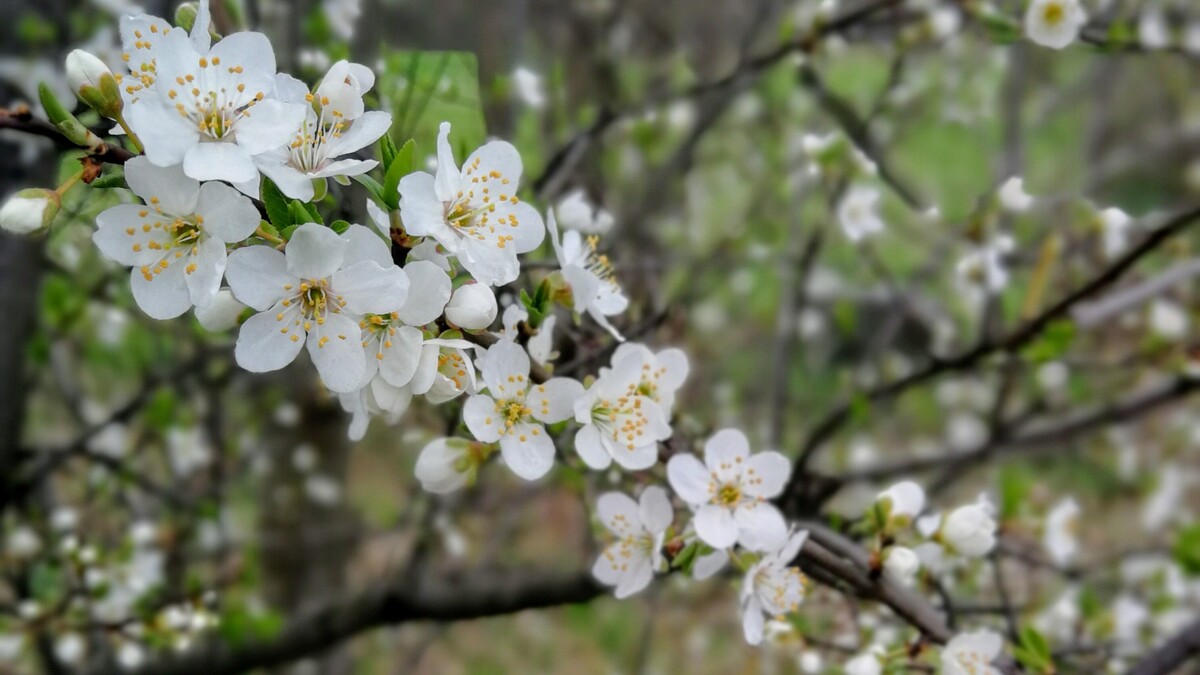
(1051, 435)
(1010, 343)
(405, 600)
(1171, 654)
(857, 129)
(563, 161)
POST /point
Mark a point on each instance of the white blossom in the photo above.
(445, 465)
(335, 125)
(904, 502)
(858, 215)
(222, 313)
(866, 663)
(1153, 31)
(575, 212)
(772, 586)
(474, 213)
(206, 106)
(29, 210)
(1059, 534)
(630, 561)
(969, 530)
(1013, 196)
(729, 492)
(472, 307)
(1115, 226)
(902, 564)
(972, 654)
(515, 409)
(175, 242)
(594, 287)
(529, 88)
(342, 15)
(1054, 23)
(619, 422)
(663, 373)
(315, 293)
(1168, 320)
(982, 271)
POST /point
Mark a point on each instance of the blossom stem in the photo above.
(69, 183)
(263, 234)
(137, 142)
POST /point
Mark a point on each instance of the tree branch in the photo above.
(1009, 343)
(405, 600)
(1171, 654)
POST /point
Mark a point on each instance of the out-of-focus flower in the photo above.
(1059, 534)
(972, 654)
(29, 210)
(1013, 196)
(575, 212)
(1054, 23)
(857, 213)
(528, 86)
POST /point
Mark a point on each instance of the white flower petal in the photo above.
(367, 287)
(619, 513)
(590, 449)
(204, 279)
(165, 187)
(689, 478)
(554, 401)
(227, 214)
(219, 161)
(261, 346)
(429, 291)
(726, 451)
(654, 509)
(529, 455)
(767, 474)
(315, 252)
(760, 526)
(258, 276)
(715, 526)
(335, 346)
(165, 295)
(482, 420)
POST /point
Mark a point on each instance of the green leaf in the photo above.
(339, 226)
(1053, 343)
(428, 88)
(1014, 488)
(372, 186)
(401, 166)
(278, 210)
(1186, 549)
(387, 151)
(1033, 651)
(113, 177)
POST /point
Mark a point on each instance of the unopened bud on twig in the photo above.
(94, 83)
(29, 210)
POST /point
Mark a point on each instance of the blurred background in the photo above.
(701, 131)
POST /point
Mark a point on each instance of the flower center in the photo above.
(215, 100)
(730, 494)
(309, 149)
(1053, 14)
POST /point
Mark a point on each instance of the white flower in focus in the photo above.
(207, 107)
(902, 564)
(619, 423)
(315, 293)
(515, 409)
(29, 210)
(445, 370)
(1059, 534)
(857, 213)
(1013, 197)
(175, 243)
(472, 307)
(1115, 226)
(1153, 31)
(528, 86)
(593, 284)
(1054, 23)
(575, 212)
(729, 492)
(447, 464)
(904, 501)
(335, 125)
(662, 373)
(474, 213)
(630, 561)
(772, 586)
(972, 654)
(969, 530)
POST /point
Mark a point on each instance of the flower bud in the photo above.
(94, 83)
(902, 564)
(902, 503)
(969, 530)
(446, 465)
(29, 210)
(472, 307)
